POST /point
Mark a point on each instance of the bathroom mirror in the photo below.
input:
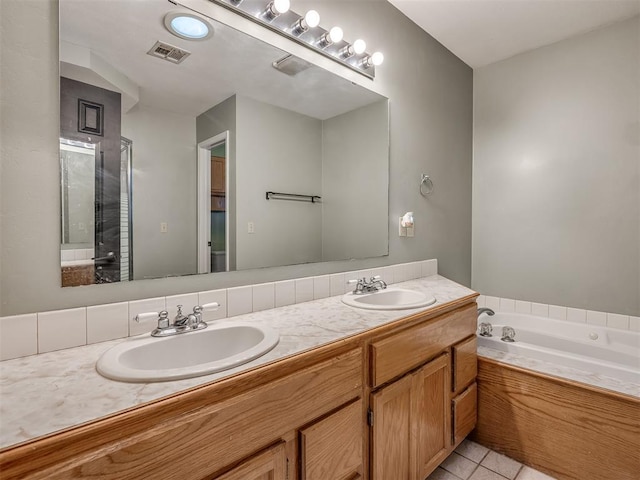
(188, 137)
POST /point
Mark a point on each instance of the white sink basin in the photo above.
(389, 299)
(216, 348)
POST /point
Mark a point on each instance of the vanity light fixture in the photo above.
(276, 8)
(334, 35)
(305, 30)
(374, 59)
(311, 19)
(187, 26)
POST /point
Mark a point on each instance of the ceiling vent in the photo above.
(168, 52)
(291, 65)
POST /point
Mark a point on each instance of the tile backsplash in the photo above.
(30, 334)
(557, 312)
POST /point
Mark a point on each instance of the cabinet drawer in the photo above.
(332, 447)
(401, 352)
(465, 363)
(464, 407)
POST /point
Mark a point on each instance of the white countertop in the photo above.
(45, 393)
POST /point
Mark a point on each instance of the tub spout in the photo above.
(488, 311)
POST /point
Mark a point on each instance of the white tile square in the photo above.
(387, 275)
(557, 312)
(596, 318)
(501, 464)
(89, 253)
(304, 290)
(286, 293)
(429, 267)
(18, 336)
(399, 273)
(149, 322)
(523, 307)
(239, 300)
(482, 473)
(472, 450)
(213, 296)
(528, 473)
(414, 270)
(492, 302)
(264, 296)
(62, 329)
(634, 324)
(481, 301)
(540, 309)
(321, 287)
(615, 320)
(507, 305)
(107, 322)
(336, 284)
(458, 465)
(187, 300)
(78, 254)
(67, 255)
(576, 315)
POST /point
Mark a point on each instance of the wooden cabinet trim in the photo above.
(396, 354)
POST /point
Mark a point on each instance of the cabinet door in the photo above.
(392, 432)
(332, 447)
(218, 175)
(268, 465)
(465, 363)
(465, 408)
(432, 414)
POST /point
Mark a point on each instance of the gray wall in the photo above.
(431, 119)
(164, 186)
(355, 178)
(556, 198)
(280, 151)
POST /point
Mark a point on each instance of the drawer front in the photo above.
(465, 363)
(332, 447)
(401, 352)
(465, 408)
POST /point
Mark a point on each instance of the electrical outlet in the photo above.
(402, 231)
(164, 227)
(251, 228)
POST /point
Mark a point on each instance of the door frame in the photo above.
(204, 200)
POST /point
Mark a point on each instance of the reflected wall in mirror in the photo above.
(184, 153)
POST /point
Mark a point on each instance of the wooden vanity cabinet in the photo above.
(411, 399)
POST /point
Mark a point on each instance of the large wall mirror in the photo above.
(169, 149)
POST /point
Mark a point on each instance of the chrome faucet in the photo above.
(181, 323)
(373, 285)
(488, 311)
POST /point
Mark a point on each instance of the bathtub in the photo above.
(563, 398)
(594, 349)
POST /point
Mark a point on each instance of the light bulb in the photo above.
(359, 46)
(275, 8)
(336, 34)
(377, 58)
(281, 6)
(312, 19)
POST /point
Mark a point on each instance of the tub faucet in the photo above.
(488, 311)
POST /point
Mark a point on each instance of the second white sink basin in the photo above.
(217, 348)
(389, 299)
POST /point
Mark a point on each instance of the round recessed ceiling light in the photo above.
(187, 26)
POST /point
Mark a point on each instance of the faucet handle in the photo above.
(179, 310)
(163, 319)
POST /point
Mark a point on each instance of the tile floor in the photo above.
(472, 461)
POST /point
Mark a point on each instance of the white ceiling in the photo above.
(481, 32)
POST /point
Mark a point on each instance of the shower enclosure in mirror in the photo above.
(187, 138)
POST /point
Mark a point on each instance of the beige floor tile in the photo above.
(485, 474)
(441, 474)
(472, 450)
(528, 473)
(459, 465)
(505, 466)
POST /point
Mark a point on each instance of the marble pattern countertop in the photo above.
(45, 393)
(582, 376)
